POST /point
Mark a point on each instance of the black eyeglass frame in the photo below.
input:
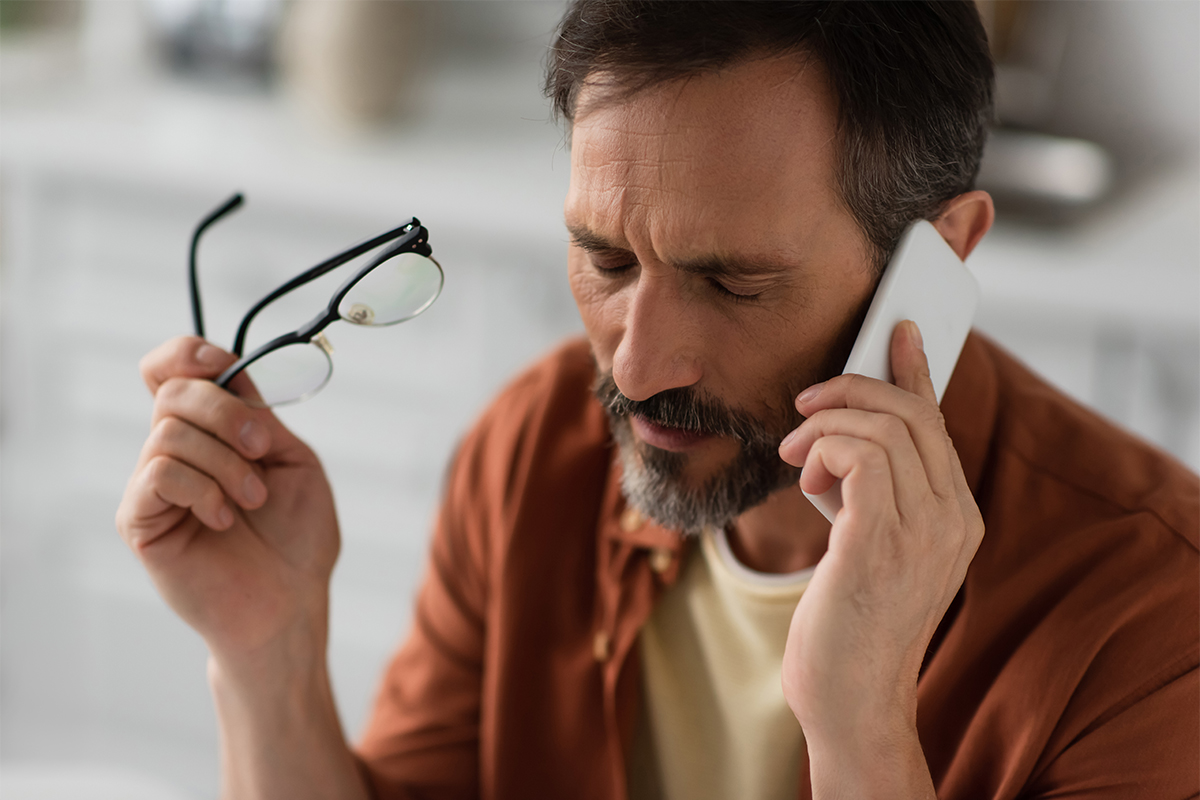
(412, 238)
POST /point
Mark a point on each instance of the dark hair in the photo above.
(913, 82)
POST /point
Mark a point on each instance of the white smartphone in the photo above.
(926, 282)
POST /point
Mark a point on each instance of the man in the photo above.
(621, 595)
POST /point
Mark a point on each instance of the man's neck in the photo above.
(783, 534)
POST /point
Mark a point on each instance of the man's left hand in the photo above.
(898, 553)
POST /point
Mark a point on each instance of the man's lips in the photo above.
(674, 439)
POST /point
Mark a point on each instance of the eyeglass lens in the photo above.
(396, 290)
(287, 375)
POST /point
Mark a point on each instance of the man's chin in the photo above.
(705, 487)
(690, 481)
(690, 471)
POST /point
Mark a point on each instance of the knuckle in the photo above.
(814, 423)
(816, 453)
(161, 357)
(172, 391)
(853, 384)
(159, 470)
(119, 519)
(827, 441)
(976, 529)
(126, 521)
(166, 433)
(930, 416)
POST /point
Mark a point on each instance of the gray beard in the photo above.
(653, 479)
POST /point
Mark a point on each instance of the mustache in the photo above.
(686, 409)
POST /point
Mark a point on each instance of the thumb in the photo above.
(183, 357)
(910, 367)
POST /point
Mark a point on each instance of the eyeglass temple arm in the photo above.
(194, 286)
(311, 274)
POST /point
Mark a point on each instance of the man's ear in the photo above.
(965, 220)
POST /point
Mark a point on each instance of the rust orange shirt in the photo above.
(1066, 666)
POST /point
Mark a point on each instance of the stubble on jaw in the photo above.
(654, 481)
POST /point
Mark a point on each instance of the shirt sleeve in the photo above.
(422, 738)
(433, 730)
(1147, 748)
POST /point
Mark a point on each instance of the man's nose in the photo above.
(660, 344)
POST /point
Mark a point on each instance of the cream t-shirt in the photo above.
(714, 721)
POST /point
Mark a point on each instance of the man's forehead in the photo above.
(747, 115)
(741, 160)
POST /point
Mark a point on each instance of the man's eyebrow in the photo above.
(711, 266)
(591, 241)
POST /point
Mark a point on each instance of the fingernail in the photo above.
(915, 334)
(253, 489)
(254, 437)
(209, 356)
(809, 394)
(225, 516)
(788, 438)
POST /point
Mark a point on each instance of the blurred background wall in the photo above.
(122, 122)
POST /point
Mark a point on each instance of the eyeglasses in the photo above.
(396, 285)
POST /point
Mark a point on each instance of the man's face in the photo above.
(717, 274)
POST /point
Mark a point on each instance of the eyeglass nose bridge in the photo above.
(320, 341)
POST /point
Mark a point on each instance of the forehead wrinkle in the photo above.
(650, 155)
(633, 135)
(626, 168)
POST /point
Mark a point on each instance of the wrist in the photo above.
(291, 642)
(868, 756)
(274, 685)
(844, 719)
(280, 734)
(263, 693)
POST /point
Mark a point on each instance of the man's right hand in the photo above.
(233, 519)
(229, 512)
